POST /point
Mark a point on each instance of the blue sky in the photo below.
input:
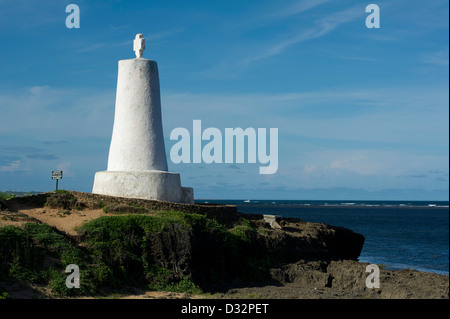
(361, 113)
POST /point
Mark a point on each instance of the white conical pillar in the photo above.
(137, 164)
(137, 142)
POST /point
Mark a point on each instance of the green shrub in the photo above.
(64, 200)
(4, 295)
(121, 243)
(23, 253)
(20, 258)
(161, 279)
(4, 196)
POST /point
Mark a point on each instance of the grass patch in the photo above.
(121, 242)
(24, 251)
(4, 295)
(244, 230)
(161, 279)
(4, 197)
(63, 199)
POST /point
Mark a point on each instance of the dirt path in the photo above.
(64, 220)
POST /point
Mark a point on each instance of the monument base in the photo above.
(155, 185)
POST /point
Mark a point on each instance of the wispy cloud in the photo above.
(439, 58)
(278, 44)
(412, 176)
(11, 167)
(150, 37)
(16, 158)
(66, 168)
(322, 27)
(296, 8)
(42, 156)
(165, 34)
(17, 149)
(119, 27)
(43, 110)
(54, 142)
(270, 17)
(442, 178)
(29, 15)
(92, 47)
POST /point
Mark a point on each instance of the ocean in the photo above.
(399, 234)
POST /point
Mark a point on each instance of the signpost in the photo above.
(57, 175)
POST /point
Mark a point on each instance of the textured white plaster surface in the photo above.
(137, 164)
(137, 141)
(157, 185)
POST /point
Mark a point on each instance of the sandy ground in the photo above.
(64, 220)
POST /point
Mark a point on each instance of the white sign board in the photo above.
(57, 174)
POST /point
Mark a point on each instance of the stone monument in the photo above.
(137, 164)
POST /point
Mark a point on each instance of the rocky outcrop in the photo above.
(300, 240)
(343, 279)
(213, 260)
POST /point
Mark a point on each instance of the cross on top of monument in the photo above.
(139, 45)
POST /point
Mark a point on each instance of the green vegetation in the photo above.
(122, 243)
(244, 230)
(248, 265)
(113, 252)
(4, 196)
(26, 250)
(4, 295)
(64, 200)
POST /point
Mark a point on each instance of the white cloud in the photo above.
(296, 8)
(11, 167)
(65, 167)
(164, 34)
(323, 26)
(282, 42)
(388, 132)
(414, 116)
(48, 112)
(270, 16)
(439, 58)
(309, 168)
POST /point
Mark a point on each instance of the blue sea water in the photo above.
(398, 234)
